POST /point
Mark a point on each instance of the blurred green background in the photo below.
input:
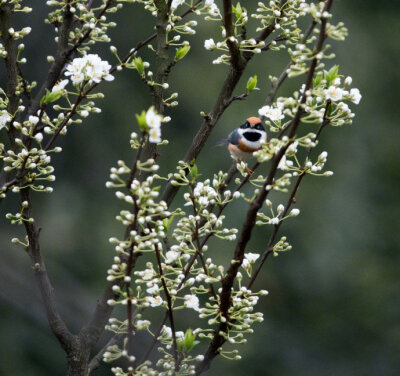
(334, 301)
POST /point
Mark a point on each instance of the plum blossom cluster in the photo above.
(153, 121)
(88, 69)
(324, 101)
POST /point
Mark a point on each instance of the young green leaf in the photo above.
(332, 74)
(251, 84)
(181, 52)
(188, 342)
(141, 119)
(194, 171)
(50, 97)
(138, 62)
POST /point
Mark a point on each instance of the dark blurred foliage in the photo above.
(333, 307)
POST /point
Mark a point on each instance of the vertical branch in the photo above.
(233, 46)
(56, 323)
(162, 68)
(61, 58)
(11, 67)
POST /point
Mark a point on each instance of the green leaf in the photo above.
(181, 52)
(251, 84)
(237, 10)
(51, 96)
(138, 62)
(188, 342)
(141, 119)
(194, 171)
(332, 74)
(317, 80)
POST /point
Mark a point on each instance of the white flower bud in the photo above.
(295, 212)
(39, 137)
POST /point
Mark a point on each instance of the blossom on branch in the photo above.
(4, 118)
(89, 68)
(153, 120)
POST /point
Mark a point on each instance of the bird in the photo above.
(246, 139)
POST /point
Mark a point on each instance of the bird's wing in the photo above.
(234, 137)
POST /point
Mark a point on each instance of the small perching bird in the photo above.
(246, 139)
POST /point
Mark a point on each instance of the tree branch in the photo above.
(269, 248)
(248, 225)
(56, 323)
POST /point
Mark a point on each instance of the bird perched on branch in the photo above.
(246, 139)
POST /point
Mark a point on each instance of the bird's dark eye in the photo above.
(245, 125)
(259, 127)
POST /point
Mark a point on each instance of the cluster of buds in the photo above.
(92, 28)
(274, 218)
(284, 16)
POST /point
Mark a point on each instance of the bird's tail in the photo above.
(222, 142)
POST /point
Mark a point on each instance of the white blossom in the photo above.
(355, 96)
(192, 301)
(147, 274)
(89, 67)
(171, 256)
(4, 118)
(249, 259)
(154, 301)
(334, 93)
(273, 113)
(154, 120)
(153, 290)
(155, 135)
(209, 44)
(176, 3)
(59, 86)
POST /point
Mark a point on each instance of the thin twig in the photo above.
(269, 248)
(96, 360)
(170, 309)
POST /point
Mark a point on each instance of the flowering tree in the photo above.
(179, 271)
